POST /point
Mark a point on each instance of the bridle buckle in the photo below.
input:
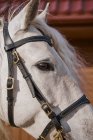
(16, 57)
(58, 135)
(10, 83)
(41, 138)
(47, 109)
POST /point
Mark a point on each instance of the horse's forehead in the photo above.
(36, 51)
(23, 34)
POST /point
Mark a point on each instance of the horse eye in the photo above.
(45, 66)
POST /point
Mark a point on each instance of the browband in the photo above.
(10, 45)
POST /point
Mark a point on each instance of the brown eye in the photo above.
(45, 66)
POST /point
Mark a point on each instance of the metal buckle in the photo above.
(15, 54)
(58, 135)
(41, 138)
(52, 42)
(12, 81)
(47, 109)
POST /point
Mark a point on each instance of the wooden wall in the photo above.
(17, 133)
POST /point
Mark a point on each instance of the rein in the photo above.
(15, 59)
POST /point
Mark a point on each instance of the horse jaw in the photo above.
(42, 120)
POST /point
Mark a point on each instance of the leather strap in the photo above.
(26, 75)
(37, 93)
(47, 129)
(21, 42)
(81, 101)
(10, 80)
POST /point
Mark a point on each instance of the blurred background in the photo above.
(74, 19)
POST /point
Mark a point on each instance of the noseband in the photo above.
(15, 59)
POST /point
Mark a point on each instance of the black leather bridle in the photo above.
(15, 59)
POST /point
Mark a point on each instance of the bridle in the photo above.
(15, 59)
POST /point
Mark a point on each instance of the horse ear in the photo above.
(24, 18)
(31, 13)
(43, 15)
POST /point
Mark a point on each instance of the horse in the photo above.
(54, 68)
